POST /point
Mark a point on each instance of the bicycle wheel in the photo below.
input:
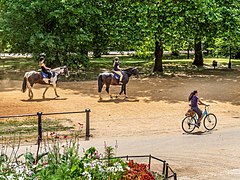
(210, 121)
(188, 124)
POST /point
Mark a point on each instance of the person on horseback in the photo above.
(195, 100)
(44, 68)
(117, 69)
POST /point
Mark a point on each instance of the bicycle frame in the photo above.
(205, 112)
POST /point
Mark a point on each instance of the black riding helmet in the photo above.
(42, 56)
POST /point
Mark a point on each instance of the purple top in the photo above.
(194, 101)
(115, 67)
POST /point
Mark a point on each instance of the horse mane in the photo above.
(128, 69)
(58, 68)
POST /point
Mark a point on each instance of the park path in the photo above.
(212, 155)
(149, 122)
(201, 156)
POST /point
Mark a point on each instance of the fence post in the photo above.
(166, 176)
(87, 123)
(149, 162)
(39, 114)
(175, 176)
(164, 168)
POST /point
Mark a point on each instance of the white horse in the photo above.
(33, 77)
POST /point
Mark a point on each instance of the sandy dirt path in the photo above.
(149, 121)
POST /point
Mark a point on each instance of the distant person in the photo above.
(195, 101)
(44, 68)
(117, 69)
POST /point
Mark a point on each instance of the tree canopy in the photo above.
(67, 29)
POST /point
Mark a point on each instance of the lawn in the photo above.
(14, 68)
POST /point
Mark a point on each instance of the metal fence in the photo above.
(40, 129)
(167, 171)
(40, 114)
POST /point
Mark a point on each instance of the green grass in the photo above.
(15, 67)
(30, 126)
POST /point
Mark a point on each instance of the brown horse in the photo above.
(112, 79)
(33, 77)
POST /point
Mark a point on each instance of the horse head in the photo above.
(64, 71)
(132, 71)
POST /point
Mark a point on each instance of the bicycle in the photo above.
(189, 123)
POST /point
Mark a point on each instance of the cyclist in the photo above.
(195, 100)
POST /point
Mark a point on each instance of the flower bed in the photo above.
(64, 162)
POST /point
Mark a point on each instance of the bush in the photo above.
(63, 162)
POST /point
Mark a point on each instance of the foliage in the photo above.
(62, 161)
(67, 30)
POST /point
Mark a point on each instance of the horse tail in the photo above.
(100, 83)
(24, 84)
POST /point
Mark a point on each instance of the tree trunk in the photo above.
(198, 60)
(57, 59)
(158, 57)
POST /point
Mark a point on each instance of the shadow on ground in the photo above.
(46, 99)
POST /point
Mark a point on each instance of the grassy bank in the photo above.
(14, 68)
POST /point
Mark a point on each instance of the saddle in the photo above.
(44, 75)
(116, 75)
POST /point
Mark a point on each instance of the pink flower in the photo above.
(81, 125)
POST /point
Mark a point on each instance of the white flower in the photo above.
(20, 178)
(87, 175)
(10, 177)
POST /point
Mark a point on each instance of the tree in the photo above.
(154, 20)
(51, 26)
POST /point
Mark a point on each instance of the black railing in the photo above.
(167, 171)
(40, 114)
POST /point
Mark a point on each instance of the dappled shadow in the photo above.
(118, 100)
(197, 133)
(46, 99)
(200, 132)
(224, 88)
(213, 86)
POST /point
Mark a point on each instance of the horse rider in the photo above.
(44, 68)
(117, 69)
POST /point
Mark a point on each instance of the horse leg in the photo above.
(120, 91)
(55, 89)
(100, 91)
(125, 91)
(107, 89)
(45, 92)
(30, 93)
